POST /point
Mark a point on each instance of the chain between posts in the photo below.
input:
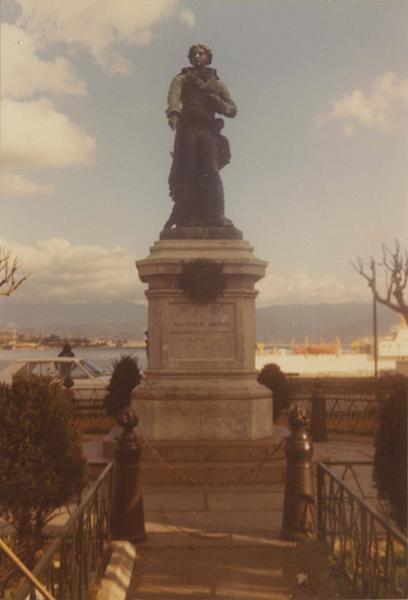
(247, 475)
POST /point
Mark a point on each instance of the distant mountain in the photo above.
(113, 319)
(297, 321)
(125, 319)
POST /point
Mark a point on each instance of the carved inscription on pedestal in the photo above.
(202, 332)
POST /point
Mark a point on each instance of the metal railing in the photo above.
(367, 547)
(88, 402)
(349, 404)
(16, 566)
(77, 558)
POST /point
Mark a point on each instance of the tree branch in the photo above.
(8, 274)
(395, 271)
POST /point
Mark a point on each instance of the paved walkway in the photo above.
(216, 571)
(223, 542)
(214, 543)
(351, 449)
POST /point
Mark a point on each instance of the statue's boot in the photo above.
(170, 222)
(224, 222)
(216, 208)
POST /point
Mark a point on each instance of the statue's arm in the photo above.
(174, 96)
(229, 106)
(223, 102)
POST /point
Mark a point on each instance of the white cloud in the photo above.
(384, 108)
(60, 269)
(24, 73)
(187, 17)
(96, 26)
(81, 273)
(299, 286)
(36, 135)
(15, 185)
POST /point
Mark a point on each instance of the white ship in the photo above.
(329, 359)
(397, 346)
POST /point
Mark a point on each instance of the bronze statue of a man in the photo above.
(200, 151)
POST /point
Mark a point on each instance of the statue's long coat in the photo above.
(196, 95)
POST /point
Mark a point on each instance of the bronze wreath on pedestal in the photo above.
(202, 280)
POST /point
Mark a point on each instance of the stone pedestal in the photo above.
(201, 381)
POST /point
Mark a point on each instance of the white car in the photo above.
(89, 381)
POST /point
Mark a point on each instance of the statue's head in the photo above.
(200, 54)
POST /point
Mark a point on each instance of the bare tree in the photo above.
(394, 267)
(9, 281)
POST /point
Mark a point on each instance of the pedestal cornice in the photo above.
(168, 256)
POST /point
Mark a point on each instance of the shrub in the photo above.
(42, 466)
(125, 376)
(390, 458)
(273, 378)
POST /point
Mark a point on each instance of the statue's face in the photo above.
(199, 57)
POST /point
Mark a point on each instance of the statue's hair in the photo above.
(206, 48)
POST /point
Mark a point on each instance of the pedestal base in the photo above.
(203, 407)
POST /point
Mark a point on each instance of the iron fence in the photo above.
(77, 558)
(367, 547)
(88, 402)
(341, 404)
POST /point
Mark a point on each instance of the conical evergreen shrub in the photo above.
(125, 376)
(273, 378)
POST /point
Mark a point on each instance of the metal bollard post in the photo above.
(318, 427)
(299, 511)
(127, 513)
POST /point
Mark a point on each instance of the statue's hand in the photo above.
(173, 120)
(189, 77)
(198, 82)
(194, 79)
(217, 101)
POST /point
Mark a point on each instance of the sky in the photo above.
(318, 174)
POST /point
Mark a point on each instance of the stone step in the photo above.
(214, 473)
(213, 451)
(266, 523)
(209, 462)
(207, 451)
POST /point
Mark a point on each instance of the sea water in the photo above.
(102, 357)
(342, 365)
